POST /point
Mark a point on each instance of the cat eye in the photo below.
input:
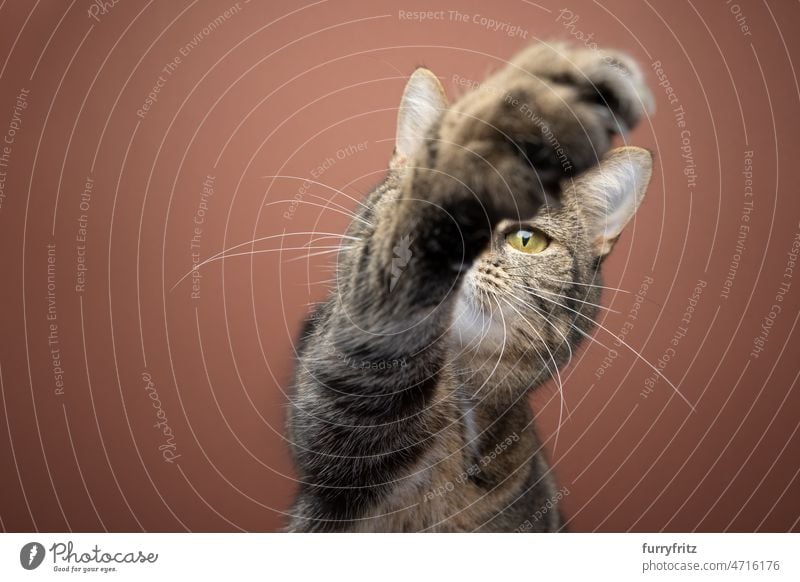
(528, 240)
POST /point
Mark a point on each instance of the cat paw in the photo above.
(607, 81)
(551, 113)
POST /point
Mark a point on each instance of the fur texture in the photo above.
(409, 410)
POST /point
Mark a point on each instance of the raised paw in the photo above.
(549, 114)
(608, 79)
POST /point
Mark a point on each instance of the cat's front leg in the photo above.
(548, 115)
(369, 404)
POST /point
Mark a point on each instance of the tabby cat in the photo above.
(470, 274)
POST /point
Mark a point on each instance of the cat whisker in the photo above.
(604, 308)
(586, 285)
(546, 319)
(331, 201)
(477, 312)
(468, 366)
(310, 244)
(333, 249)
(502, 348)
(637, 354)
(309, 180)
(260, 239)
(484, 300)
(346, 212)
(557, 374)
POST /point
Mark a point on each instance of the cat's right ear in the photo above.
(422, 105)
(610, 193)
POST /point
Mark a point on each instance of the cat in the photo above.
(469, 275)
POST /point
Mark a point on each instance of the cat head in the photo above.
(533, 295)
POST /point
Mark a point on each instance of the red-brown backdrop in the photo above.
(152, 130)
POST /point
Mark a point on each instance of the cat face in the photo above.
(539, 284)
(534, 294)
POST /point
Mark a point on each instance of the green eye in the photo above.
(528, 240)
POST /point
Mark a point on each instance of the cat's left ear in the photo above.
(610, 193)
(422, 104)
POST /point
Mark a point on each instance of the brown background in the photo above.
(278, 88)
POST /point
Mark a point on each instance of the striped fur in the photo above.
(409, 409)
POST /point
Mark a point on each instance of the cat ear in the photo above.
(422, 104)
(610, 193)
